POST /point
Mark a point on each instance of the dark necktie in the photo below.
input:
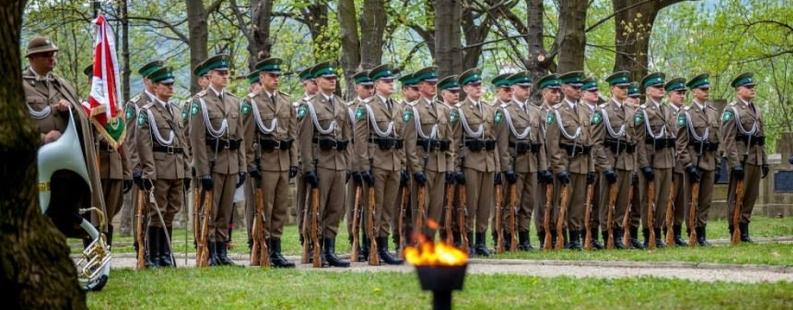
(272, 99)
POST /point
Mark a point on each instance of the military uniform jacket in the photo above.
(112, 163)
(161, 142)
(352, 106)
(215, 120)
(655, 128)
(423, 119)
(131, 110)
(698, 127)
(270, 131)
(521, 132)
(567, 133)
(595, 116)
(476, 125)
(738, 122)
(324, 118)
(379, 133)
(618, 133)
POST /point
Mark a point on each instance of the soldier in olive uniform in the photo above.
(743, 140)
(655, 154)
(254, 88)
(50, 100)
(615, 157)
(219, 157)
(324, 136)
(132, 109)
(410, 93)
(364, 88)
(633, 95)
(270, 130)
(697, 146)
(379, 154)
(521, 146)
(676, 92)
(477, 160)
(589, 99)
(309, 90)
(549, 87)
(569, 144)
(164, 163)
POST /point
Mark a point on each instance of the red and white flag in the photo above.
(103, 103)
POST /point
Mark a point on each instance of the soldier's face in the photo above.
(164, 91)
(504, 93)
(619, 92)
(43, 63)
(203, 81)
(327, 83)
(384, 87)
(427, 89)
(255, 88)
(702, 94)
(473, 90)
(656, 92)
(451, 96)
(746, 92)
(269, 81)
(310, 87)
(521, 92)
(571, 92)
(364, 91)
(590, 95)
(677, 97)
(219, 78)
(410, 93)
(148, 85)
(551, 95)
(632, 101)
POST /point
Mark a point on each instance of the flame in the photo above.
(429, 253)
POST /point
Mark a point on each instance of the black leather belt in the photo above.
(271, 144)
(431, 145)
(386, 144)
(619, 147)
(479, 145)
(167, 149)
(524, 147)
(705, 146)
(756, 140)
(224, 144)
(660, 143)
(575, 150)
(326, 144)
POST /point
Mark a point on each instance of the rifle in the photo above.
(670, 216)
(260, 253)
(626, 219)
(374, 260)
(447, 220)
(610, 216)
(513, 219)
(562, 215)
(420, 213)
(650, 214)
(305, 232)
(317, 261)
(139, 230)
(588, 218)
(692, 215)
(461, 214)
(401, 228)
(202, 251)
(739, 193)
(547, 216)
(356, 222)
(498, 228)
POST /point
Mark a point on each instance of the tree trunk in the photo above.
(36, 269)
(634, 23)
(537, 60)
(571, 38)
(261, 15)
(199, 34)
(474, 34)
(448, 49)
(125, 70)
(373, 23)
(350, 43)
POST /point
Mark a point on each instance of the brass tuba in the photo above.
(66, 154)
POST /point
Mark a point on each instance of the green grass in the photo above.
(295, 289)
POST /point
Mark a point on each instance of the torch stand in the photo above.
(441, 280)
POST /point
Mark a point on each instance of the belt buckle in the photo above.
(227, 145)
(169, 150)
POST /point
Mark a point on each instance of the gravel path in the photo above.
(555, 268)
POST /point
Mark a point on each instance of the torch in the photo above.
(441, 269)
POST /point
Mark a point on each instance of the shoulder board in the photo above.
(643, 106)
(283, 94)
(707, 106)
(734, 103)
(503, 105)
(148, 105)
(135, 99)
(412, 103)
(229, 93)
(251, 95)
(201, 93)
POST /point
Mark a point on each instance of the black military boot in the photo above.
(329, 253)
(276, 259)
(553, 238)
(385, 256)
(575, 240)
(109, 236)
(618, 232)
(222, 253)
(677, 231)
(166, 260)
(702, 236)
(541, 237)
(481, 244)
(595, 244)
(659, 238)
(213, 255)
(363, 254)
(152, 247)
(471, 249)
(745, 232)
(524, 243)
(646, 235)
(635, 243)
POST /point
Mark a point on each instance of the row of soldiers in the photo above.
(570, 157)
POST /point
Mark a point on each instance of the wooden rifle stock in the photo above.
(736, 213)
(692, 215)
(202, 255)
(562, 215)
(264, 250)
(670, 216)
(374, 259)
(420, 208)
(613, 191)
(316, 260)
(651, 214)
(513, 218)
(588, 218)
(499, 229)
(626, 219)
(306, 231)
(140, 203)
(401, 228)
(447, 219)
(356, 223)
(461, 214)
(546, 223)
